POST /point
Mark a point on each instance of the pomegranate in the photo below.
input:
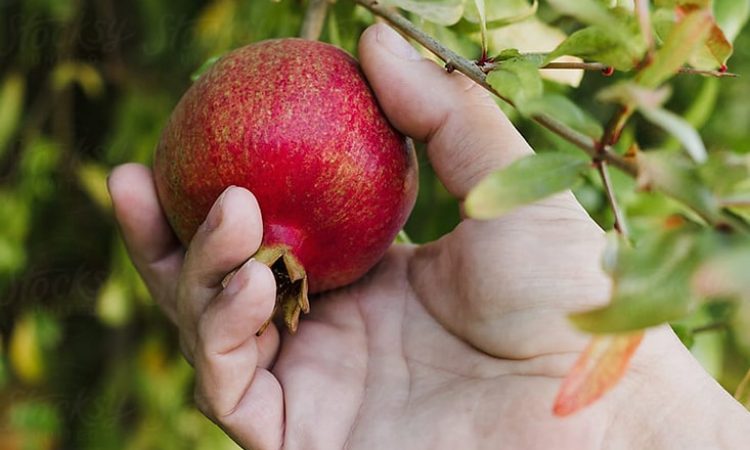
(296, 123)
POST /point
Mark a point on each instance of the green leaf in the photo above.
(11, 105)
(651, 283)
(517, 79)
(684, 39)
(525, 181)
(675, 176)
(566, 111)
(441, 12)
(596, 43)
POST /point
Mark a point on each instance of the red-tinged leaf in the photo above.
(681, 42)
(717, 48)
(599, 368)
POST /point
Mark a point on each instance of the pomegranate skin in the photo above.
(296, 123)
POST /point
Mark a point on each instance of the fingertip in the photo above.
(240, 309)
(230, 234)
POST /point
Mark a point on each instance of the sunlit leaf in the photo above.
(525, 181)
(442, 12)
(33, 335)
(599, 368)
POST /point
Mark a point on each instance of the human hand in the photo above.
(461, 343)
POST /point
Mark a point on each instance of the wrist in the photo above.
(668, 401)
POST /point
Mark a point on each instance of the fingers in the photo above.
(231, 234)
(232, 387)
(468, 136)
(154, 249)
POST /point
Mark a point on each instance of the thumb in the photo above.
(467, 135)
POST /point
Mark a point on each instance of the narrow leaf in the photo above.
(525, 181)
(680, 129)
(599, 368)
(482, 24)
(684, 39)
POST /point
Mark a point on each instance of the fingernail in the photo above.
(237, 280)
(216, 214)
(397, 45)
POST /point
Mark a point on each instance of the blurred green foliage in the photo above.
(86, 359)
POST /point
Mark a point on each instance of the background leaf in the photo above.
(525, 181)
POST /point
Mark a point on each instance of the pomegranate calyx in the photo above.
(291, 285)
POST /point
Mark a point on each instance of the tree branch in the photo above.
(315, 18)
(597, 151)
(599, 67)
(453, 61)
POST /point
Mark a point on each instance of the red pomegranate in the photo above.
(296, 123)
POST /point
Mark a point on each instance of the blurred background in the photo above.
(86, 359)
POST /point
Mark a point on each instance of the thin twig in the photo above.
(620, 224)
(315, 18)
(708, 73)
(715, 326)
(599, 67)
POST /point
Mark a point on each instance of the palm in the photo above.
(371, 367)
